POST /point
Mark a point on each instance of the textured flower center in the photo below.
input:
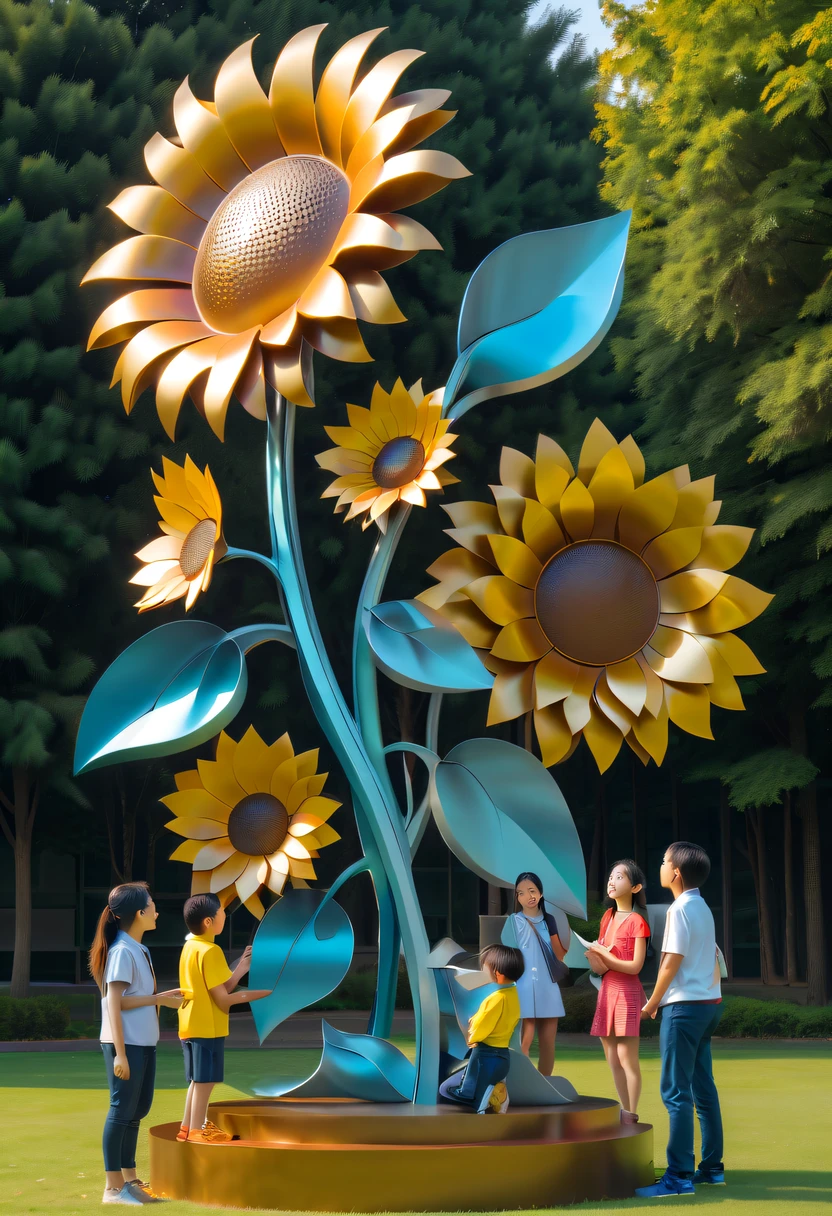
(267, 241)
(597, 602)
(258, 825)
(399, 461)
(196, 547)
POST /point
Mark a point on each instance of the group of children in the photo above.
(687, 990)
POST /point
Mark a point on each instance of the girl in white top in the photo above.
(121, 967)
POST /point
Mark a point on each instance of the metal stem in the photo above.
(383, 820)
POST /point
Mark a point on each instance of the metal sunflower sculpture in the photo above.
(600, 601)
(272, 217)
(252, 818)
(390, 453)
(181, 562)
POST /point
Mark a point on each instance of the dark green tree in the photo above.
(716, 128)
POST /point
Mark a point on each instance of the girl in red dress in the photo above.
(619, 956)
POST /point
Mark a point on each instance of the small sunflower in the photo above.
(270, 221)
(392, 451)
(600, 600)
(182, 561)
(251, 818)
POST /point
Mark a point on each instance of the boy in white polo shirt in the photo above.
(688, 992)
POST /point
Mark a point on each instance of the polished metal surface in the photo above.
(399, 461)
(597, 602)
(258, 825)
(266, 241)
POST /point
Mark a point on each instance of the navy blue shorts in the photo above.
(204, 1060)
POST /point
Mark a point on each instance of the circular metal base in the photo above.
(343, 1156)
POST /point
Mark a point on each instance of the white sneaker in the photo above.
(126, 1197)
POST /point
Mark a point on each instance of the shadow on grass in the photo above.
(782, 1186)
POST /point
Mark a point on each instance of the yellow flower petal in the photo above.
(214, 854)
(252, 763)
(723, 689)
(175, 515)
(517, 472)
(188, 780)
(648, 511)
(218, 776)
(515, 560)
(634, 458)
(512, 694)
(322, 808)
(282, 780)
(197, 829)
(576, 706)
(474, 626)
(611, 485)
(551, 462)
(723, 546)
(521, 642)
(689, 707)
(501, 599)
(598, 442)
(687, 665)
(294, 849)
(553, 734)
(691, 589)
(197, 801)
(454, 569)
(511, 507)
(163, 548)
(326, 835)
(674, 550)
(541, 531)
(603, 738)
(627, 682)
(692, 503)
(187, 851)
(577, 510)
(228, 872)
(249, 883)
(651, 732)
(740, 658)
(554, 679)
(737, 604)
(613, 709)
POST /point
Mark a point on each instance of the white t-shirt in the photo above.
(689, 931)
(128, 962)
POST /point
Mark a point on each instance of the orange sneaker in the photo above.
(209, 1134)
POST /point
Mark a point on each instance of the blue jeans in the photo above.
(486, 1066)
(688, 1081)
(130, 1101)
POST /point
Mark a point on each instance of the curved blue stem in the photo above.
(383, 820)
(252, 554)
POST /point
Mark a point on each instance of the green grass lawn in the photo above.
(777, 1104)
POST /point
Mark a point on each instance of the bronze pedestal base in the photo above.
(342, 1156)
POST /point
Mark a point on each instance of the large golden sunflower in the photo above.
(274, 215)
(392, 451)
(181, 561)
(602, 603)
(251, 818)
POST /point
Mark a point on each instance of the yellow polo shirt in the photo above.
(494, 1022)
(202, 966)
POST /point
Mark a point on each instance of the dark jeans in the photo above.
(486, 1066)
(130, 1101)
(688, 1081)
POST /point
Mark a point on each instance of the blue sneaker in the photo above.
(714, 1178)
(666, 1188)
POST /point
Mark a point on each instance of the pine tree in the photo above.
(717, 133)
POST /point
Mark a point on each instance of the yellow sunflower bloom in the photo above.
(270, 221)
(181, 561)
(393, 451)
(251, 818)
(601, 601)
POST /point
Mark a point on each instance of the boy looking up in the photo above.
(481, 1085)
(207, 986)
(688, 992)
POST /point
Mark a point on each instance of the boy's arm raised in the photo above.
(224, 999)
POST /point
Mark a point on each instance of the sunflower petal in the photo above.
(598, 442)
(292, 94)
(321, 808)
(244, 110)
(473, 522)
(249, 883)
(554, 679)
(290, 372)
(740, 657)
(454, 570)
(214, 854)
(197, 829)
(335, 89)
(370, 95)
(610, 486)
(688, 664)
(327, 296)
(476, 628)
(673, 550)
(651, 732)
(692, 503)
(180, 173)
(723, 546)
(501, 599)
(553, 734)
(648, 511)
(227, 873)
(634, 458)
(372, 299)
(691, 589)
(145, 257)
(522, 641)
(515, 560)
(689, 707)
(140, 356)
(203, 134)
(737, 603)
(150, 209)
(222, 379)
(723, 689)
(252, 763)
(603, 738)
(517, 472)
(551, 463)
(187, 851)
(627, 682)
(218, 776)
(577, 510)
(512, 693)
(405, 180)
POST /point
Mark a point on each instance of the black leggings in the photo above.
(130, 1101)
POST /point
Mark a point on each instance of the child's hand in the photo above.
(244, 961)
(121, 1068)
(171, 999)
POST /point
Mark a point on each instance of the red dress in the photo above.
(621, 998)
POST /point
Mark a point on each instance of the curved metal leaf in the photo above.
(418, 647)
(352, 1066)
(500, 812)
(170, 690)
(302, 950)
(528, 1087)
(537, 307)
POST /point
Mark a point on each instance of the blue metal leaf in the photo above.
(302, 950)
(537, 307)
(174, 688)
(418, 647)
(358, 1066)
(528, 1087)
(500, 812)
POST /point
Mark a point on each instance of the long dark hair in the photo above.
(123, 903)
(636, 875)
(530, 876)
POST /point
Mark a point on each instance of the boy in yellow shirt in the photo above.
(482, 1085)
(208, 986)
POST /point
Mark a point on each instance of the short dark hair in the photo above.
(692, 862)
(197, 910)
(505, 959)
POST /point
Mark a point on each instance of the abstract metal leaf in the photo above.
(418, 647)
(500, 812)
(528, 1087)
(302, 951)
(537, 307)
(358, 1066)
(170, 690)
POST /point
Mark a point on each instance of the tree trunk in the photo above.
(727, 891)
(759, 866)
(788, 890)
(812, 882)
(22, 810)
(639, 852)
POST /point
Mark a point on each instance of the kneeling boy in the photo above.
(489, 1034)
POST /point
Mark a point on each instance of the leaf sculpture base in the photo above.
(344, 1156)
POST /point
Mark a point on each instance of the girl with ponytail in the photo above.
(543, 948)
(121, 967)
